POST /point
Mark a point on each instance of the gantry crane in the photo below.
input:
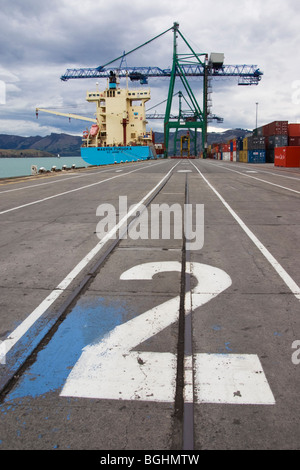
(186, 65)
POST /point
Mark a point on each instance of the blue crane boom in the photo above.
(247, 74)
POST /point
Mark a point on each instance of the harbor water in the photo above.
(12, 167)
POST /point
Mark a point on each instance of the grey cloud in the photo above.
(40, 39)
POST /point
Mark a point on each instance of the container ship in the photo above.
(118, 133)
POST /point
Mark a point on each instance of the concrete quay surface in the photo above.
(182, 338)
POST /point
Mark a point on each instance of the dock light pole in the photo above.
(256, 115)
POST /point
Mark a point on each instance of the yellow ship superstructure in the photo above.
(120, 117)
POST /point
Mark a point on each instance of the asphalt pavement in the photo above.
(151, 306)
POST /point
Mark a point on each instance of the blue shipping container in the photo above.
(256, 156)
(239, 143)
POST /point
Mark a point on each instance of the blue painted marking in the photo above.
(216, 327)
(90, 320)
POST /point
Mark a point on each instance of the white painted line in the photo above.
(242, 165)
(60, 180)
(71, 191)
(280, 175)
(259, 179)
(188, 363)
(15, 336)
(292, 285)
(231, 379)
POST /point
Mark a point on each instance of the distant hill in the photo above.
(25, 153)
(69, 145)
(223, 137)
(64, 144)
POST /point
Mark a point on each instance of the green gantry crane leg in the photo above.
(201, 116)
(171, 91)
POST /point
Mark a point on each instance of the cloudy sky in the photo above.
(39, 40)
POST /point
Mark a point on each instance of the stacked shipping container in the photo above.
(226, 152)
(276, 135)
(277, 142)
(289, 155)
(256, 149)
(215, 151)
(294, 135)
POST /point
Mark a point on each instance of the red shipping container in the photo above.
(287, 156)
(294, 130)
(225, 147)
(276, 128)
(265, 130)
(294, 141)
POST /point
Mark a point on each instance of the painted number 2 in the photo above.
(112, 370)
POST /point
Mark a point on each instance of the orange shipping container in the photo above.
(287, 156)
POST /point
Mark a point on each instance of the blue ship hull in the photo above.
(110, 155)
